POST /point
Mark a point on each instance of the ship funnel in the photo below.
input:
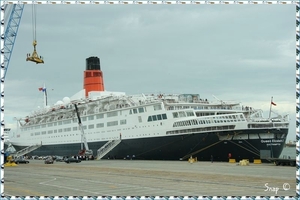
(93, 77)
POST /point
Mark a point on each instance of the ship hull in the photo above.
(181, 147)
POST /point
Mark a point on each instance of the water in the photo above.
(288, 151)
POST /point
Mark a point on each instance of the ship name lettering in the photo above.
(265, 141)
(277, 141)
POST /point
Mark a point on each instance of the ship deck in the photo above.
(148, 178)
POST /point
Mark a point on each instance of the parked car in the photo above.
(71, 160)
(21, 161)
(49, 161)
(59, 159)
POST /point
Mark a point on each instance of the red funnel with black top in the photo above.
(93, 76)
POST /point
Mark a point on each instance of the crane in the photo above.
(34, 57)
(85, 150)
(10, 32)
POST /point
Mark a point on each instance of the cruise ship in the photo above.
(148, 126)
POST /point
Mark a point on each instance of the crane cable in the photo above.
(34, 21)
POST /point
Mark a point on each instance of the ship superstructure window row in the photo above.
(204, 107)
(91, 126)
(211, 120)
(183, 114)
(206, 129)
(157, 117)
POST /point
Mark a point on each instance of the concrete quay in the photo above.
(148, 178)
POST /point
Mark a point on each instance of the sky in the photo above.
(244, 53)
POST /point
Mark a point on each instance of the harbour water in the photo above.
(288, 151)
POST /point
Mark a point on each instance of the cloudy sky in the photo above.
(234, 52)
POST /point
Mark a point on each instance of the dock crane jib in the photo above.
(34, 57)
(84, 150)
(13, 15)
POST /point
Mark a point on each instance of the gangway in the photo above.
(107, 147)
(26, 150)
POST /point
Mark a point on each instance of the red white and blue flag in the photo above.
(42, 89)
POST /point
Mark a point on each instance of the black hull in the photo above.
(181, 147)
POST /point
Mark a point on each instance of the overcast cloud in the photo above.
(234, 52)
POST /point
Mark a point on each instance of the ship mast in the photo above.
(272, 103)
(44, 90)
(45, 96)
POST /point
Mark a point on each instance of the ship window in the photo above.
(51, 131)
(123, 121)
(140, 119)
(59, 130)
(164, 116)
(141, 110)
(113, 123)
(190, 114)
(67, 121)
(149, 119)
(59, 123)
(50, 124)
(91, 117)
(130, 112)
(154, 117)
(159, 117)
(91, 126)
(182, 114)
(84, 127)
(55, 131)
(175, 114)
(83, 118)
(134, 110)
(112, 114)
(43, 132)
(100, 125)
(75, 128)
(98, 116)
